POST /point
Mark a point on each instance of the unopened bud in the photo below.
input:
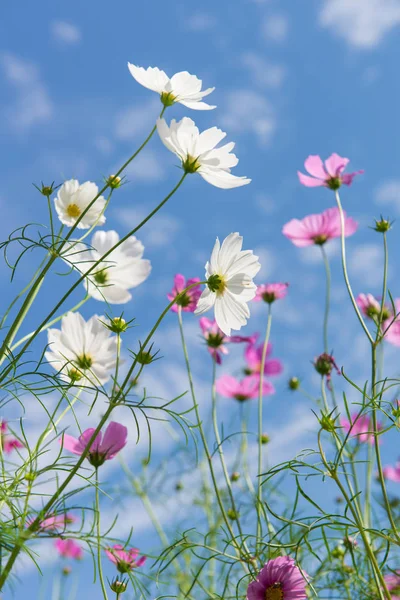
(235, 476)
(114, 182)
(119, 585)
(294, 383)
(264, 439)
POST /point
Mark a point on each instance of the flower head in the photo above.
(181, 87)
(216, 340)
(123, 269)
(243, 389)
(69, 549)
(279, 579)
(84, 352)
(188, 301)
(199, 154)
(125, 560)
(269, 292)
(104, 447)
(253, 356)
(72, 199)
(7, 442)
(324, 365)
(230, 286)
(53, 522)
(371, 307)
(319, 228)
(392, 473)
(392, 581)
(391, 326)
(329, 174)
(361, 427)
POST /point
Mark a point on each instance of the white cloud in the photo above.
(361, 23)
(247, 111)
(389, 194)
(275, 28)
(201, 22)
(161, 232)
(267, 261)
(133, 122)
(366, 264)
(265, 204)
(65, 32)
(148, 166)
(263, 72)
(32, 104)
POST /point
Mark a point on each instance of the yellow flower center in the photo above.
(167, 98)
(274, 592)
(216, 284)
(191, 164)
(73, 210)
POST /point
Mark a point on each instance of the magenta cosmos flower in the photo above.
(7, 442)
(392, 581)
(361, 427)
(269, 292)
(243, 389)
(53, 522)
(279, 579)
(253, 356)
(103, 448)
(328, 175)
(216, 340)
(69, 549)
(125, 560)
(319, 228)
(392, 473)
(188, 301)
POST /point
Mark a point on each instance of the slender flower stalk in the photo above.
(98, 534)
(327, 298)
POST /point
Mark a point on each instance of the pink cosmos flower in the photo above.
(392, 581)
(125, 560)
(329, 175)
(361, 427)
(216, 339)
(392, 473)
(269, 292)
(319, 228)
(103, 448)
(188, 301)
(69, 549)
(371, 307)
(53, 522)
(7, 442)
(253, 356)
(244, 389)
(279, 579)
(391, 326)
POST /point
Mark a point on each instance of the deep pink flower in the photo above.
(103, 448)
(269, 292)
(318, 228)
(216, 339)
(392, 581)
(392, 473)
(329, 175)
(69, 549)
(253, 356)
(7, 442)
(53, 522)
(125, 560)
(279, 579)
(244, 389)
(361, 427)
(189, 300)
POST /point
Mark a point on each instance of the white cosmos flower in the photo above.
(82, 351)
(123, 269)
(199, 154)
(182, 87)
(71, 201)
(230, 286)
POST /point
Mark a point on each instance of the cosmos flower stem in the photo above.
(51, 219)
(260, 426)
(98, 535)
(117, 365)
(379, 335)
(206, 448)
(327, 297)
(89, 231)
(244, 452)
(344, 266)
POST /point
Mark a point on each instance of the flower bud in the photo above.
(338, 552)
(327, 422)
(324, 363)
(383, 225)
(294, 383)
(46, 190)
(66, 571)
(179, 486)
(145, 357)
(232, 514)
(349, 543)
(74, 375)
(264, 439)
(114, 182)
(119, 585)
(118, 325)
(235, 476)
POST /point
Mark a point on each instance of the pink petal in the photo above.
(314, 165)
(114, 439)
(179, 282)
(72, 444)
(273, 367)
(228, 386)
(335, 164)
(296, 231)
(310, 181)
(347, 178)
(85, 438)
(205, 324)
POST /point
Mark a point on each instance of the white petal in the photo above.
(197, 105)
(208, 139)
(246, 262)
(152, 78)
(165, 135)
(214, 260)
(184, 84)
(231, 247)
(206, 301)
(222, 179)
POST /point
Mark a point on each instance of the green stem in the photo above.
(327, 298)
(260, 426)
(51, 219)
(98, 532)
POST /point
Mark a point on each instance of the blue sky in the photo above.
(292, 79)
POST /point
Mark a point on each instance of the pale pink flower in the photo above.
(103, 448)
(269, 292)
(53, 522)
(392, 473)
(188, 301)
(392, 581)
(69, 549)
(244, 389)
(371, 307)
(216, 340)
(125, 560)
(318, 228)
(279, 579)
(253, 356)
(391, 326)
(7, 442)
(328, 175)
(361, 427)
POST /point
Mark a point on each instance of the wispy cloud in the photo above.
(275, 28)
(136, 120)
(147, 167)
(361, 24)
(262, 71)
(201, 21)
(162, 231)
(248, 111)
(388, 194)
(366, 263)
(65, 32)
